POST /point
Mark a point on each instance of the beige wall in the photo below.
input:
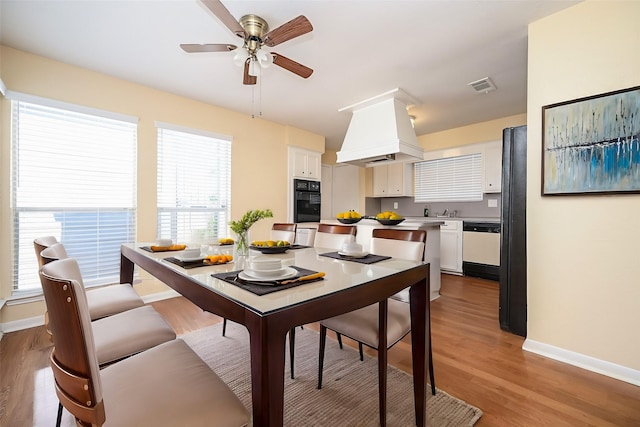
(258, 145)
(472, 134)
(583, 282)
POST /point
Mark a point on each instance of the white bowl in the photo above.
(352, 248)
(164, 242)
(265, 264)
(191, 253)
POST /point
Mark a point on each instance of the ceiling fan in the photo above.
(255, 32)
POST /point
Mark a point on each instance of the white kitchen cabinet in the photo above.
(305, 164)
(493, 168)
(393, 180)
(451, 247)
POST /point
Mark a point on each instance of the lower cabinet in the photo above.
(451, 247)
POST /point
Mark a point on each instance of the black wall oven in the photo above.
(306, 201)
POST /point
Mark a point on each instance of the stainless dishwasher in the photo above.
(481, 249)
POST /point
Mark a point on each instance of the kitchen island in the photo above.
(432, 249)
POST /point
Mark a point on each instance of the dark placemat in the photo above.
(369, 259)
(299, 246)
(232, 277)
(187, 264)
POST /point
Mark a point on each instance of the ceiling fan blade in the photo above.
(292, 29)
(248, 79)
(207, 47)
(291, 65)
(223, 14)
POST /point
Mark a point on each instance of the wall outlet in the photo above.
(493, 203)
(395, 205)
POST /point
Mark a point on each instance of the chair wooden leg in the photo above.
(339, 336)
(382, 362)
(361, 351)
(323, 341)
(292, 348)
(224, 326)
(432, 379)
(59, 416)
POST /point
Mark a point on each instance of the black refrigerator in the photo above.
(513, 232)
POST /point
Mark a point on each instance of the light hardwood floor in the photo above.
(474, 361)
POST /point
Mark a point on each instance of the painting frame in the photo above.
(590, 145)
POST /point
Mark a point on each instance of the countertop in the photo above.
(458, 218)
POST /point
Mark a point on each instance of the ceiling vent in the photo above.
(483, 85)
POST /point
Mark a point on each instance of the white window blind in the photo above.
(446, 180)
(73, 177)
(194, 184)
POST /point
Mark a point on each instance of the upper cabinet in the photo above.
(393, 180)
(493, 167)
(305, 164)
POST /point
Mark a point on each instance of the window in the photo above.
(194, 184)
(73, 177)
(453, 179)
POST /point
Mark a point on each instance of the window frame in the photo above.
(79, 245)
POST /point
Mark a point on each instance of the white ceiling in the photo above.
(358, 49)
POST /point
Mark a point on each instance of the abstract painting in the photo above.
(590, 145)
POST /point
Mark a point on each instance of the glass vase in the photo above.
(242, 243)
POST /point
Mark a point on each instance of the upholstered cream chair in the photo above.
(284, 231)
(103, 301)
(120, 335)
(363, 325)
(334, 236)
(168, 385)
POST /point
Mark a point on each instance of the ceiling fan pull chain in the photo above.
(253, 102)
(260, 93)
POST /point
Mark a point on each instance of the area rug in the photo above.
(349, 395)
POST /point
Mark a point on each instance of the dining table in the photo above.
(346, 286)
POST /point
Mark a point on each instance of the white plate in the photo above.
(263, 274)
(189, 258)
(354, 254)
(253, 276)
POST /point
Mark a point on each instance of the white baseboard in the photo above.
(18, 325)
(589, 363)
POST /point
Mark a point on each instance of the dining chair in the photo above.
(334, 236)
(123, 334)
(168, 385)
(103, 301)
(284, 231)
(366, 326)
(118, 336)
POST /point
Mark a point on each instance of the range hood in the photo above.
(380, 132)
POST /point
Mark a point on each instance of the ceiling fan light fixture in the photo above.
(240, 57)
(265, 59)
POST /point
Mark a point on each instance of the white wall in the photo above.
(583, 281)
